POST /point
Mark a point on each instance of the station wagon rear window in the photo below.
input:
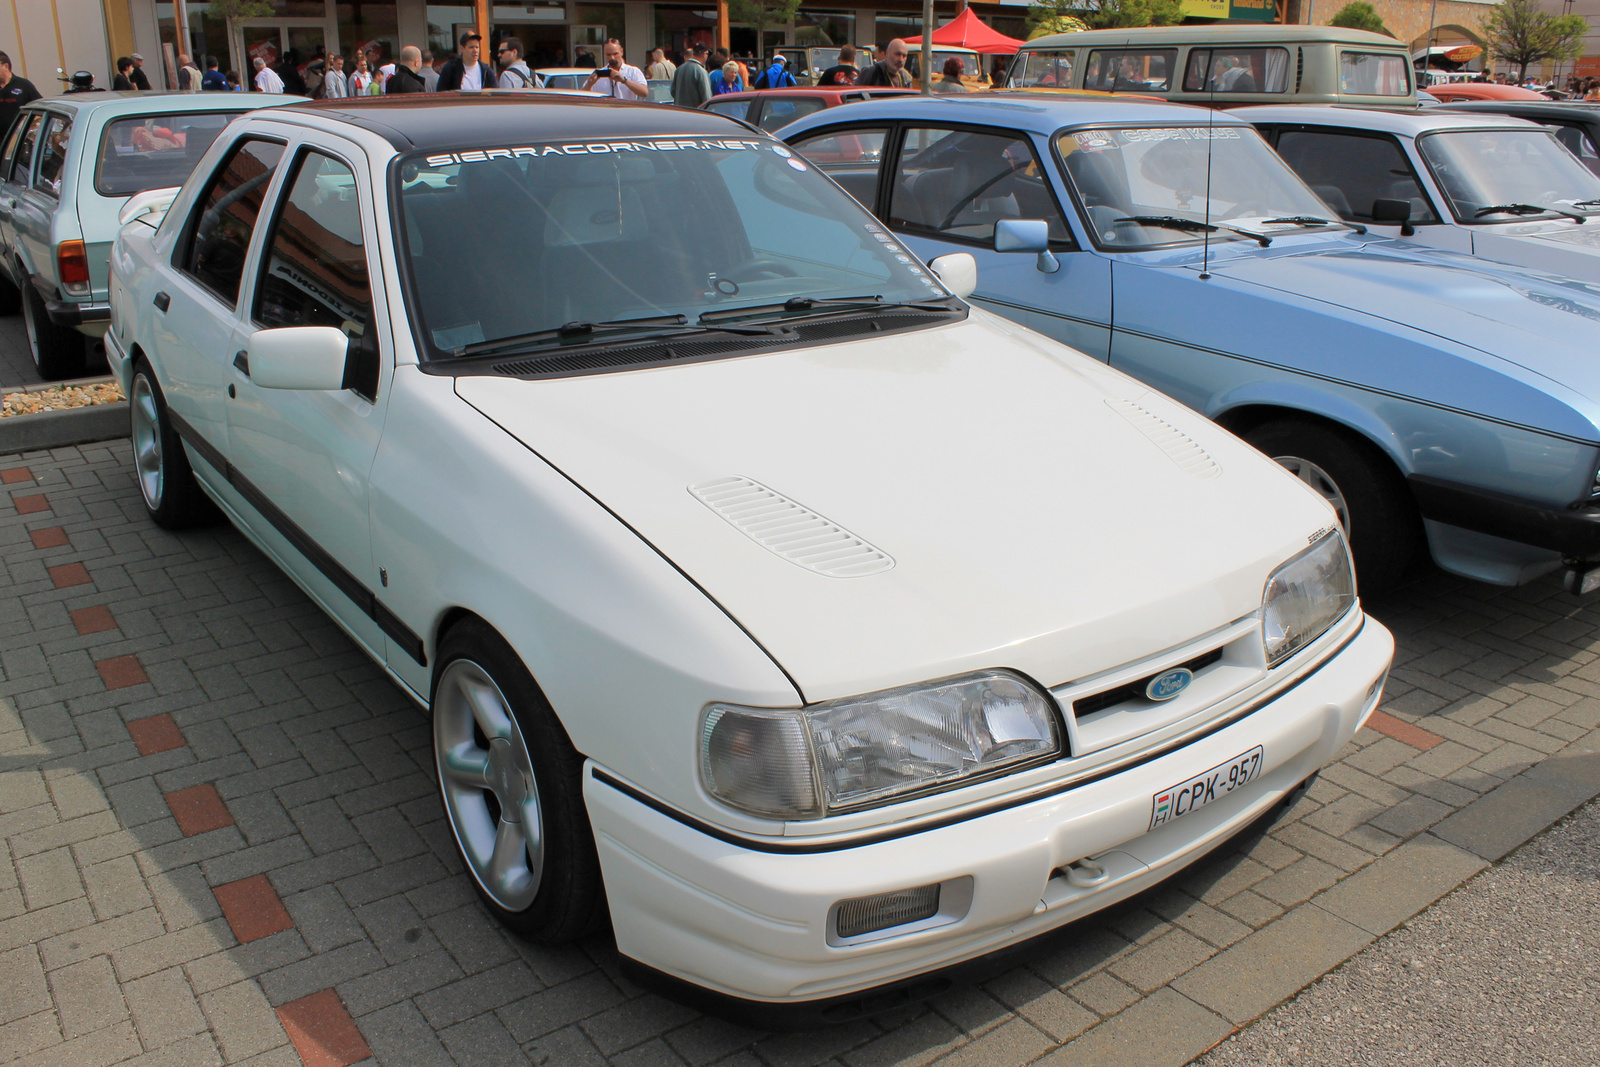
(1131, 70)
(154, 151)
(1237, 70)
(1374, 74)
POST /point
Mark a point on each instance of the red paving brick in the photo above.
(49, 537)
(70, 574)
(252, 908)
(158, 733)
(121, 672)
(1415, 736)
(28, 505)
(322, 1031)
(94, 620)
(199, 809)
(16, 474)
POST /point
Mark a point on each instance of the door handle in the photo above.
(241, 362)
(162, 301)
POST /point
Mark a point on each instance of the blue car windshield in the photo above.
(621, 229)
(1163, 173)
(1517, 171)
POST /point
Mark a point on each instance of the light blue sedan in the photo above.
(1425, 393)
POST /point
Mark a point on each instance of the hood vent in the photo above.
(1179, 446)
(790, 530)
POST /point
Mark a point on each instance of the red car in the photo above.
(771, 109)
(1482, 91)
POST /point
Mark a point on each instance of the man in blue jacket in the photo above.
(776, 76)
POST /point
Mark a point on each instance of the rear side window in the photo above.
(850, 158)
(733, 109)
(1374, 74)
(53, 155)
(225, 217)
(1046, 70)
(24, 161)
(1237, 70)
(1132, 70)
(779, 113)
(154, 151)
(1350, 171)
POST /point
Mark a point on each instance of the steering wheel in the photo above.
(756, 268)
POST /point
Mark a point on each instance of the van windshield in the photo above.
(1523, 173)
(1146, 187)
(613, 229)
(1043, 70)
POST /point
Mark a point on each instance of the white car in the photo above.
(826, 628)
(1488, 185)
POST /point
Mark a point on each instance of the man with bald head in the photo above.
(406, 77)
(891, 70)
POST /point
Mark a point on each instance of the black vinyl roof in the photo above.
(471, 119)
(1584, 114)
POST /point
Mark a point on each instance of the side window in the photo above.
(1374, 74)
(850, 158)
(53, 155)
(733, 109)
(225, 216)
(24, 161)
(1350, 171)
(1580, 144)
(958, 184)
(314, 272)
(1147, 70)
(1051, 70)
(13, 138)
(1237, 70)
(779, 113)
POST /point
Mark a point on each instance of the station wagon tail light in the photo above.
(841, 755)
(1305, 596)
(72, 267)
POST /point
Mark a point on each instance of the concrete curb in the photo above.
(57, 429)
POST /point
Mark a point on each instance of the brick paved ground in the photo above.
(220, 842)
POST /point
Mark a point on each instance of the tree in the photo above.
(1106, 14)
(1360, 15)
(761, 14)
(1519, 33)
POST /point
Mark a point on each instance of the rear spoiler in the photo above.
(149, 206)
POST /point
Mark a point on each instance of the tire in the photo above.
(498, 749)
(172, 496)
(10, 297)
(57, 350)
(1374, 507)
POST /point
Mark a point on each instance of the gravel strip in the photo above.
(59, 398)
(1505, 970)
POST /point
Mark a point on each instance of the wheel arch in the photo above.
(1241, 414)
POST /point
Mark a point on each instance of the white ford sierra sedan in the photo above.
(822, 629)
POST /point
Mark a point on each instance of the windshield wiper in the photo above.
(1529, 209)
(1312, 220)
(1173, 222)
(1586, 203)
(823, 305)
(1260, 238)
(584, 331)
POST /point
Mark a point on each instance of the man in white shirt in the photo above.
(621, 80)
(266, 80)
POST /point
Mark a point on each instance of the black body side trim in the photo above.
(790, 846)
(1570, 531)
(347, 583)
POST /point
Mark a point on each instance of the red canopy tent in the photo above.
(966, 30)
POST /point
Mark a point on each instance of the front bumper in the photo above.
(1574, 532)
(753, 923)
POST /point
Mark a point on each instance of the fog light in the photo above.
(864, 915)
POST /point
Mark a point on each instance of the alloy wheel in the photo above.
(1320, 481)
(490, 791)
(146, 427)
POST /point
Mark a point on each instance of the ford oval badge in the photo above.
(1169, 684)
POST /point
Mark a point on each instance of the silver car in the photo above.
(67, 167)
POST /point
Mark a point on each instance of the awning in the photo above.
(966, 30)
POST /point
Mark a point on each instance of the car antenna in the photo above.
(1205, 234)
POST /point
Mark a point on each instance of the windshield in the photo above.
(1520, 170)
(616, 229)
(154, 151)
(1042, 70)
(1163, 173)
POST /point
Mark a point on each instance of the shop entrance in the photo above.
(544, 44)
(275, 39)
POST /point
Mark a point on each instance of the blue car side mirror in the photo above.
(1026, 235)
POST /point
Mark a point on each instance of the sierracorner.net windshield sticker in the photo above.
(1181, 133)
(593, 148)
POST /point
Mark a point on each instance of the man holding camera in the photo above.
(618, 78)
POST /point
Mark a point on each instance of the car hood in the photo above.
(1004, 501)
(1544, 323)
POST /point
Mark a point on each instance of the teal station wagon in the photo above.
(68, 166)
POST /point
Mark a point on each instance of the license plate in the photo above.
(1202, 789)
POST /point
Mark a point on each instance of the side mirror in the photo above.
(1386, 212)
(958, 271)
(299, 357)
(1026, 235)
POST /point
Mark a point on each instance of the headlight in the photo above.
(1305, 596)
(853, 753)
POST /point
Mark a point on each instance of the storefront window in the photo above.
(677, 27)
(607, 15)
(820, 29)
(207, 36)
(892, 24)
(365, 24)
(446, 22)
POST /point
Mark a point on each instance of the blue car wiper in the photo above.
(1173, 222)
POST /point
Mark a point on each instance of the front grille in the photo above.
(1135, 689)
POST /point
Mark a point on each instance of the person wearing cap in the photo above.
(776, 76)
(140, 79)
(467, 71)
